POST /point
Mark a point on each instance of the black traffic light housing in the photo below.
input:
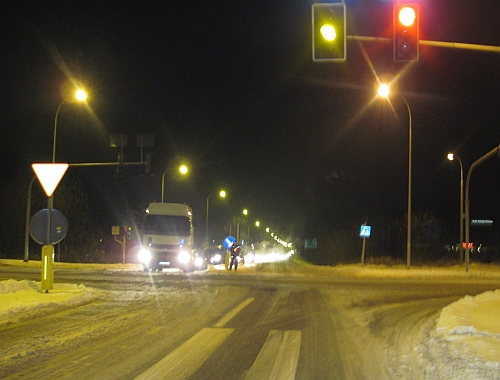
(328, 32)
(406, 39)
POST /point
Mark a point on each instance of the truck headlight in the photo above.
(184, 257)
(144, 256)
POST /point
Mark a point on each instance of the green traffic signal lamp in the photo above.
(328, 32)
(406, 38)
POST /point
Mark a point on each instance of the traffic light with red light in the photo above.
(406, 40)
(328, 32)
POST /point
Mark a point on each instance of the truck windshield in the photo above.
(167, 225)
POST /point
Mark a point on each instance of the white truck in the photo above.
(167, 238)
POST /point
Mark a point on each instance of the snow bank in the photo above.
(22, 300)
(465, 343)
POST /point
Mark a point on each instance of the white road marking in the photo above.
(185, 360)
(233, 312)
(278, 357)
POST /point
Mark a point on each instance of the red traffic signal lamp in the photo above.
(406, 40)
(328, 32)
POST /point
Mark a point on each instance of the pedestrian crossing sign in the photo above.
(365, 231)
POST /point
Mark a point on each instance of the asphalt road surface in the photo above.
(229, 325)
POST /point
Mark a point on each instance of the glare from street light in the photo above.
(450, 156)
(222, 194)
(81, 95)
(383, 90)
(183, 169)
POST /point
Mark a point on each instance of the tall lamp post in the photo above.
(451, 157)
(467, 183)
(27, 224)
(183, 169)
(222, 194)
(245, 212)
(80, 95)
(383, 91)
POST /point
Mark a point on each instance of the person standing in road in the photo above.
(235, 252)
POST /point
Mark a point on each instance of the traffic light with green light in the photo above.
(406, 40)
(328, 32)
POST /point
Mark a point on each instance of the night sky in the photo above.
(231, 88)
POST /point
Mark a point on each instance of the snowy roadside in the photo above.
(463, 343)
(22, 300)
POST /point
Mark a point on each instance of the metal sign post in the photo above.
(364, 232)
(49, 175)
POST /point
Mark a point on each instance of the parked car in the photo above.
(215, 254)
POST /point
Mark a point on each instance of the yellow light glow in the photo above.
(383, 90)
(328, 32)
(183, 169)
(81, 95)
(222, 194)
(407, 16)
(450, 156)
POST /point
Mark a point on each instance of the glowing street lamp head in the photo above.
(81, 95)
(183, 169)
(384, 90)
(450, 156)
(222, 194)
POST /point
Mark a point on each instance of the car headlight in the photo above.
(216, 257)
(184, 257)
(144, 256)
(198, 261)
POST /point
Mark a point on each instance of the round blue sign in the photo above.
(39, 230)
(228, 242)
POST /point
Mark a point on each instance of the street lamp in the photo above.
(222, 194)
(80, 95)
(384, 91)
(183, 169)
(451, 157)
(257, 225)
(245, 212)
(491, 153)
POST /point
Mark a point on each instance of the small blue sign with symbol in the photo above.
(228, 241)
(365, 231)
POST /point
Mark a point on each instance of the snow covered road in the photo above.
(433, 336)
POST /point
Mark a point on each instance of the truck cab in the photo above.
(167, 238)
